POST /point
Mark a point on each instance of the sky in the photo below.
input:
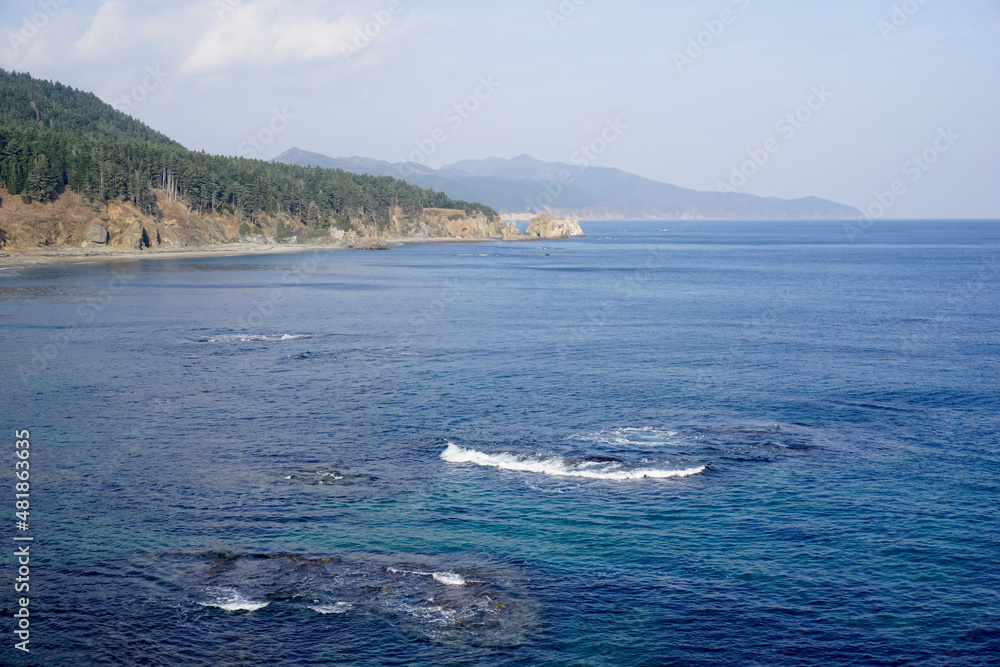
(887, 105)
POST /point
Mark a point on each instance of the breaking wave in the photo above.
(230, 599)
(606, 468)
(339, 608)
(449, 578)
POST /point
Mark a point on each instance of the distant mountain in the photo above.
(524, 185)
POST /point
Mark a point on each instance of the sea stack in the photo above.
(550, 227)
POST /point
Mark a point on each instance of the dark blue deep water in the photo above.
(719, 444)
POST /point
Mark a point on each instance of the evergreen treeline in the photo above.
(53, 137)
(29, 102)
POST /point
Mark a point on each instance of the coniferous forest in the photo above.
(54, 137)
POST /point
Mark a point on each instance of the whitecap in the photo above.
(232, 600)
(559, 467)
(338, 608)
(449, 578)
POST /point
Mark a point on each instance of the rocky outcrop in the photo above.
(457, 224)
(98, 235)
(551, 227)
(431, 223)
(510, 232)
(370, 243)
(69, 222)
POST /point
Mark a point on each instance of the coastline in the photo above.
(67, 256)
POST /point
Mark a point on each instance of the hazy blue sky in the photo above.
(887, 80)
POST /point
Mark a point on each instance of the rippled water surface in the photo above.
(718, 444)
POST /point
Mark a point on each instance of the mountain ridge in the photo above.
(523, 186)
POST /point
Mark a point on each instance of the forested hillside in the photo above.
(53, 137)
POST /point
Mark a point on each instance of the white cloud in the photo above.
(37, 39)
(209, 36)
(267, 32)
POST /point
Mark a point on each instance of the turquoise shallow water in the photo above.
(724, 443)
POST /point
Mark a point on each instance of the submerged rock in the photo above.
(473, 603)
(370, 243)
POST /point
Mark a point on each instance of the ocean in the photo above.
(667, 443)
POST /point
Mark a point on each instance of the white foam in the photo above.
(559, 467)
(635, 435)
(252, 338)
(339, 608)
(231, 600)
(449, 578)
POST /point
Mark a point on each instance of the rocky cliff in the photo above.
(69, 222)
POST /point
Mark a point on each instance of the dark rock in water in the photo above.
(600, 459)
(369, 243)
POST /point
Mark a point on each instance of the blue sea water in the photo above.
(675, 443)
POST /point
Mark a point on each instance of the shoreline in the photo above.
(69, 256)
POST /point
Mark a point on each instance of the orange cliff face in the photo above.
(454, 223)
(69, 222)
